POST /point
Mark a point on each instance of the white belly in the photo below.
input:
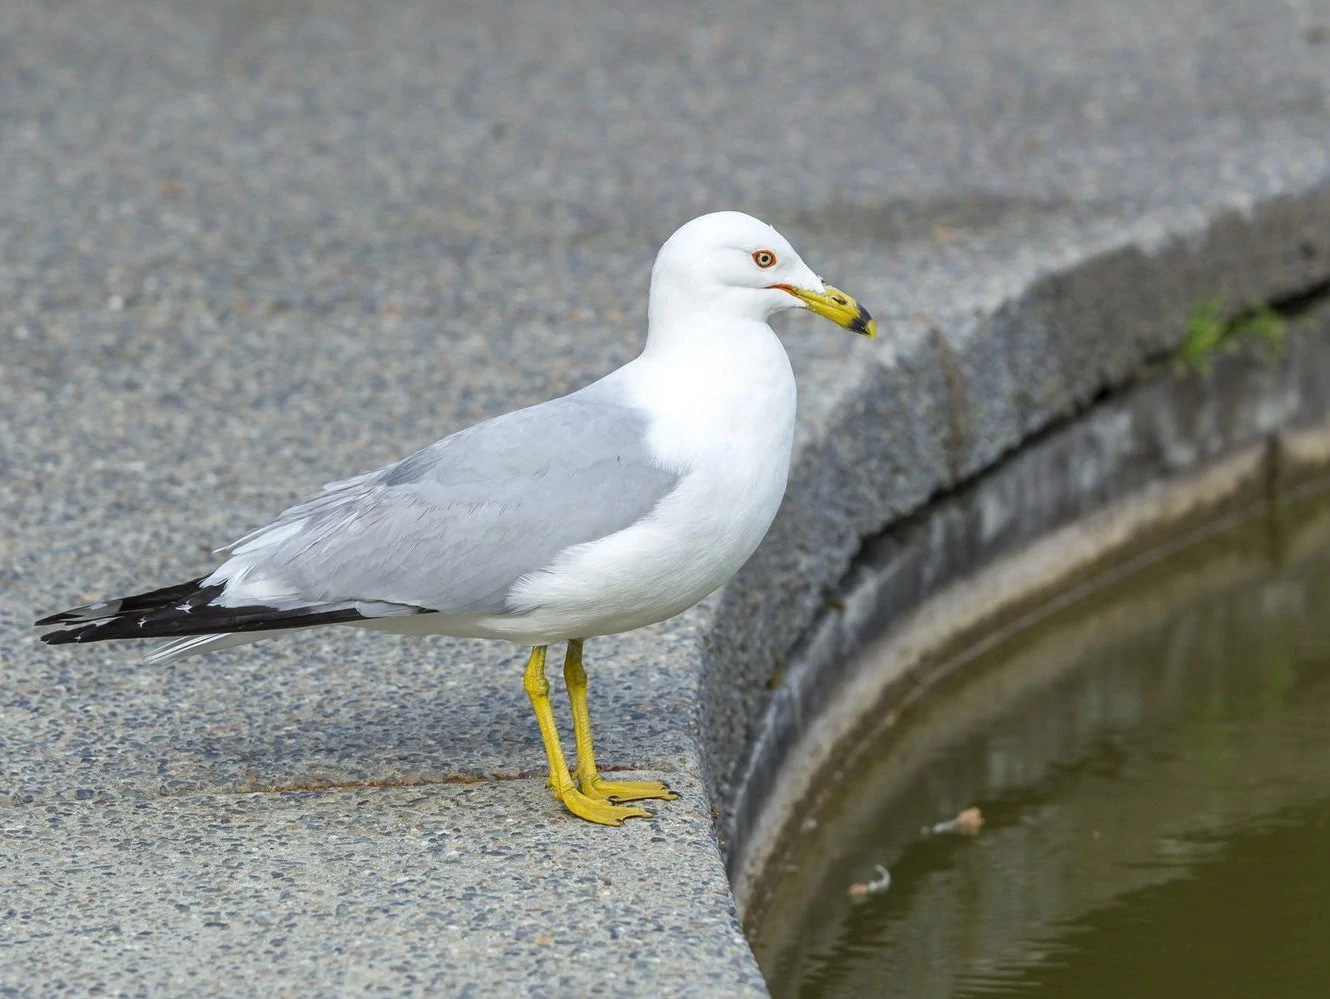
(693, 543)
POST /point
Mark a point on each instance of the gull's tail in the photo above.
(189, 613)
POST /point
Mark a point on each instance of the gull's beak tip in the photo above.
(865, 324)
(853, 316)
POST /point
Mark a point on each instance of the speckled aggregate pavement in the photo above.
(247, 247)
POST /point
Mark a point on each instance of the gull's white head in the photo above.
(732, 263)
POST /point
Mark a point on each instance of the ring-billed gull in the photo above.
(614, 507)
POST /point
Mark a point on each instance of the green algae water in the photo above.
(1153, 768)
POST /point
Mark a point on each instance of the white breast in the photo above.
(722, 405)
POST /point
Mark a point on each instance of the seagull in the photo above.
(605, 510)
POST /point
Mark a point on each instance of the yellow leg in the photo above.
(591, 809)
(590, 781)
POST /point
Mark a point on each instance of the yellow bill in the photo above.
(837, 306)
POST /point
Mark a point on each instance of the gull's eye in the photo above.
(764, 258)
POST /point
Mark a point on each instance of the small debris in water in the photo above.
(878, 885)
(967, 823)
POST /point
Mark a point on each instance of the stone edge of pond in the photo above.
(1076, 362)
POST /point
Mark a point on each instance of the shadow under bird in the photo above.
(619, 505)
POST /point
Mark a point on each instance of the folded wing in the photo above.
(451, 528)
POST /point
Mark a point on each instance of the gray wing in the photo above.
(455, 525)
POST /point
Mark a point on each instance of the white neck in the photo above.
(710, 373)
(683, 304)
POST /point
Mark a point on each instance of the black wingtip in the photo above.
(64, 617)
(197, 619)
(182, 610)
(105, 610)
(61, 637)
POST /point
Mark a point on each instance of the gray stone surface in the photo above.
(247, 247)
(1155, 464)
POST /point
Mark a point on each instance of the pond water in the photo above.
(1153, 769)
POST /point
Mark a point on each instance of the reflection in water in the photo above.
(1153, 766)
